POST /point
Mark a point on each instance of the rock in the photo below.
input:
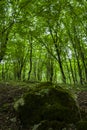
(49, 125)
(47, 102)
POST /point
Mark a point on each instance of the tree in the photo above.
(44, 40)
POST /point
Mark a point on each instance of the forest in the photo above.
(43, 40)
(42, 43)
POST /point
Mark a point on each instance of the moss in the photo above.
(51, 125)
(82, 125)
(47, 103)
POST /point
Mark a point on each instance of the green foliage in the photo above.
(57, 31)
(82, 125)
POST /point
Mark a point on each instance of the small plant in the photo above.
(82, 125)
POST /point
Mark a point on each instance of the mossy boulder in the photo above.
(49, 125)
(47, 102)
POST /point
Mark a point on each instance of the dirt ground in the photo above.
(8, 95)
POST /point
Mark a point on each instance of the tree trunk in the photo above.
(3, 45)
(72, 71)
(30, 70)
(60, 63)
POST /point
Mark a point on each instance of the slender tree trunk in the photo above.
(3, 71)
(60, 63)
(35, 70)
(52, 71)
(49, 68)
(19, 74)
(79, 67)
(67, 66)
(78, 64)
(68, 70)
(3, 45)
(30, 70)
(74, 43)
(55, 40)
(80, 51)
(75, 72)
(19, 71)
(39, 72)
(76, 55)
(24, 73)
(72, 71)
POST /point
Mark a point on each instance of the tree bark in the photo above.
(30, 70)
(60, 63)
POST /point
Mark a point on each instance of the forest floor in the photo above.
(10, 93)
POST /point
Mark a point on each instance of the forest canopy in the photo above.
(43, 40)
